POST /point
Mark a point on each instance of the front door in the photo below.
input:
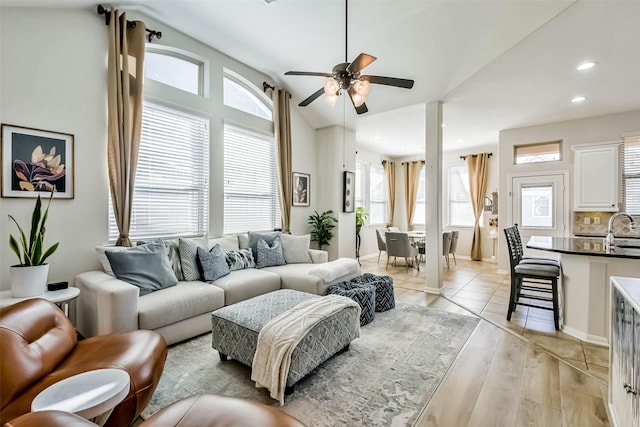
(538, 204)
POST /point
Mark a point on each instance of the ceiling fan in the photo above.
(346, 76)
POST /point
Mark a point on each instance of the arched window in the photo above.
(174, 67)
(241, 94)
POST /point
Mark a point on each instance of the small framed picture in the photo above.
(36, 161)
(301, 183)
(349, 199)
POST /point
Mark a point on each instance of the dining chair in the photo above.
(393, 229)
(446, 245)
(454, 244)
(398, 245)
(382, 244)
(531, 278)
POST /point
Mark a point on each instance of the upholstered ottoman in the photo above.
(385, 298)
(236, 328)
(362, 293)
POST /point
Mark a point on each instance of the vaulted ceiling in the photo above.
(495, 64)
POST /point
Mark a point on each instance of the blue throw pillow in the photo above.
(254, 237)
(269, 256)
(146, 266)
(212, 263)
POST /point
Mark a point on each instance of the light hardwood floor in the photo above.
(517, 373)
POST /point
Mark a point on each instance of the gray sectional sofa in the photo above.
(107, 304)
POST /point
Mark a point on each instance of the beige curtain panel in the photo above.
(390, 176)
(411, 182)
(124, 97)
(282, 130)
(478, 165)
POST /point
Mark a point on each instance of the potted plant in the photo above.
(361, 217)
(321, 226)
(29, 278)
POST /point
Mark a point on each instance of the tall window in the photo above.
(371, 191)
(251, 201)
(460, 209)
(171, 193)
(377, 197)
(419, 217)
(631, 174)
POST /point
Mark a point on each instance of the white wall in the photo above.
(53, 76)
(332, 160)
(593, 129)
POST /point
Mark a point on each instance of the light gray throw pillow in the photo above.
(188, 249)
(296, 248)
(270, 255)
(145, 266)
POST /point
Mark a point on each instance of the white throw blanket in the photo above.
(280, 336)
(332, 270)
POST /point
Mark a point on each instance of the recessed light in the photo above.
(460, 140)
(444, 125)
(577, 99)
(586, 65)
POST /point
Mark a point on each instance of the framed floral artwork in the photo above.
(36, 161)
(301, 189)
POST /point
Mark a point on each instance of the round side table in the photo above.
(91, 395)
(61, 298)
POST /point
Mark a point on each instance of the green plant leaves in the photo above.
(320, 227)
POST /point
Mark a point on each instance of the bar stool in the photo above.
(531, 277)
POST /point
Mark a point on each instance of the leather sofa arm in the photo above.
(318, 256)
(105, 304)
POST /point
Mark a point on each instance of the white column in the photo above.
(433, 166)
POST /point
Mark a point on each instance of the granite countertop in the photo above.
(625, 248)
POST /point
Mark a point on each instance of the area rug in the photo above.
(385, 378)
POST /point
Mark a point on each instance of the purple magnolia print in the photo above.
(43, 171)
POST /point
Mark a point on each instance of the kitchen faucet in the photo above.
(610, 239)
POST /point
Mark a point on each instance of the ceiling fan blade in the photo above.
(389, 81)
(306, 73)
(362, 108)
(312, 98)
(360, 63)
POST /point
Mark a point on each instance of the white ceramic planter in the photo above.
(28, 281)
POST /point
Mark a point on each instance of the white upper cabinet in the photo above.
(596, 177)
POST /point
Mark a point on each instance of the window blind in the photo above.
(460, 210)
(631, 174)
(419, 217)
(251, 201)
(378, 201)
(171, 191)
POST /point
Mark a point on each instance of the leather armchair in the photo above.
(206, 410)
(40, 348)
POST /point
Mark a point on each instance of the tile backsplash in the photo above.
(620, 227)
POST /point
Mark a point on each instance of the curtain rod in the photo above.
(465, 157)
(266, 86)
(414, 161)
(130, 24)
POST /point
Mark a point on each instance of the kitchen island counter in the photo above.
(586, 269)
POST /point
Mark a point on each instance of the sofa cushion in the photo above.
(239, 260)
(255, 236)
(296, 276)
(183, 301)
(243, 241)
(227, 243)
(270, 254)
(296, 248)
(212, 263)
(188, 257)
(102, 250)
(146, 266)
(243, 284)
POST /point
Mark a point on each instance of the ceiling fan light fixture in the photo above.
(361, 87)
(358, 99)
(331, 88)
(331, 99)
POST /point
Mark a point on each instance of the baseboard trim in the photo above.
(592, 339)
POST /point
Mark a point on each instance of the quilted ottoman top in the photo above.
(255, 312)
